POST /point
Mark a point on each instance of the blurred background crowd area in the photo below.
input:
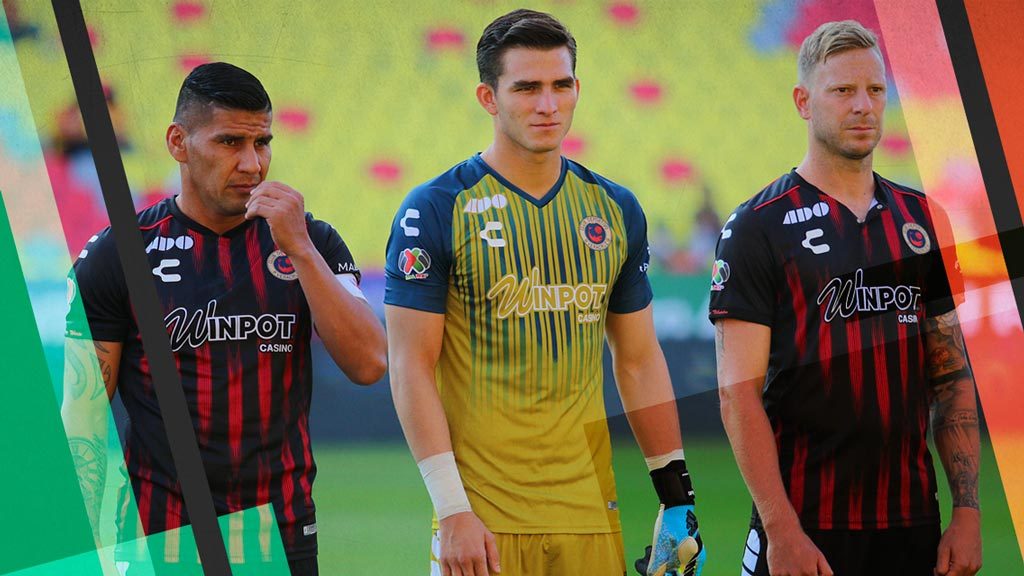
(686, 103)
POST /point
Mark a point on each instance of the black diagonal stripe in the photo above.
(146, 304)
(987, 144)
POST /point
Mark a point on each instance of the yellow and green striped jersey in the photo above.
(525, 286)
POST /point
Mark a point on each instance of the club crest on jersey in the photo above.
(280, 265)
(595, 232)
(719, 275)
(916, 238)
(414, 263)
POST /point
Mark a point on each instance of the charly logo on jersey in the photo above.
(491, 235)
(803, 214)
(164, 269)
(527, 295)
(85, 251)
(595, 232)
(203, 325)
(72, 290)
(845, 297)
(814, 234)
(917, 238)
(280, 265)
(414, 263)
(719, 275)
(165, 243)
(726, 232)
(409, 230)
(481, 205)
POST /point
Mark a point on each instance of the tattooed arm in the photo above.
(90, 378)
(954, 415)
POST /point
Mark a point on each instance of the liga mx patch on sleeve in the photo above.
(309, 529)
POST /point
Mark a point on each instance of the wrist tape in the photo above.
(441, 477)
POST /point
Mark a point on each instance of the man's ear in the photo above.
(176, 137)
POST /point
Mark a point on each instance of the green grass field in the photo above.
(374, 514)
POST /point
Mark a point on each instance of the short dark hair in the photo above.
(519, 29)
(219, 84)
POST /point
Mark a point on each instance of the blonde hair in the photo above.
(832, 38)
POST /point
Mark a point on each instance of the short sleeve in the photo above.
(632, 289)
(333, 249)
(944, 286)
(97, 294)
(743, 276)
(418, 259)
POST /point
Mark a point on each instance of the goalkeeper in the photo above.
(504, 275)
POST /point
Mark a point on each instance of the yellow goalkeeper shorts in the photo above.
(551, 554)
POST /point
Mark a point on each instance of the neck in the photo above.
(190, 205)
(847, 180)
(533, 173)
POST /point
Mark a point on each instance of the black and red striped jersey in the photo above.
(846, 391)
(239, 327)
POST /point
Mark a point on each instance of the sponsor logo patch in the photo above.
(410, 231)
(843, 298)
(71, 291)
(479, 205)
(595, 232)
(165, 243)
(524, 296)
(814, 234)
(494, 241)
(916, 237)
(281, 266)
(167, 264)
(414, 263)
(719, 275)
(726, 232)
(798, 215)
(203, 325)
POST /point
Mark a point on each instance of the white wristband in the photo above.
(441, 476)
(656, 462)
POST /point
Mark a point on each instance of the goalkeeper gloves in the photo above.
(677, 549)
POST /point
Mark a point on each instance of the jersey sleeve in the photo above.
(333, 249)
(743, 276)
(97, 294)
(945, 284)
(632, 289)
(418, 259)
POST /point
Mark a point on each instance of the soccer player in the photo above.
(504, 275)
(835, 333)
(244, 275)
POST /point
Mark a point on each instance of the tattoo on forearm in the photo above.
(90, 459)
(953, 407)
(945, 345)
(81, 374)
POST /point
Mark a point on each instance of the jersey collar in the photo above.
(539, 202)
(879, 203)
(190, 223)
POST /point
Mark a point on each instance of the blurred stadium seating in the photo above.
(373, 98)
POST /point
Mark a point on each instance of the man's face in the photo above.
(845, 103)
(227, 154)
(535, 98)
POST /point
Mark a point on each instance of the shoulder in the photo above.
(621, 195)
(440, 192)
(154, 215)
(767, 200)
(901, 192)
